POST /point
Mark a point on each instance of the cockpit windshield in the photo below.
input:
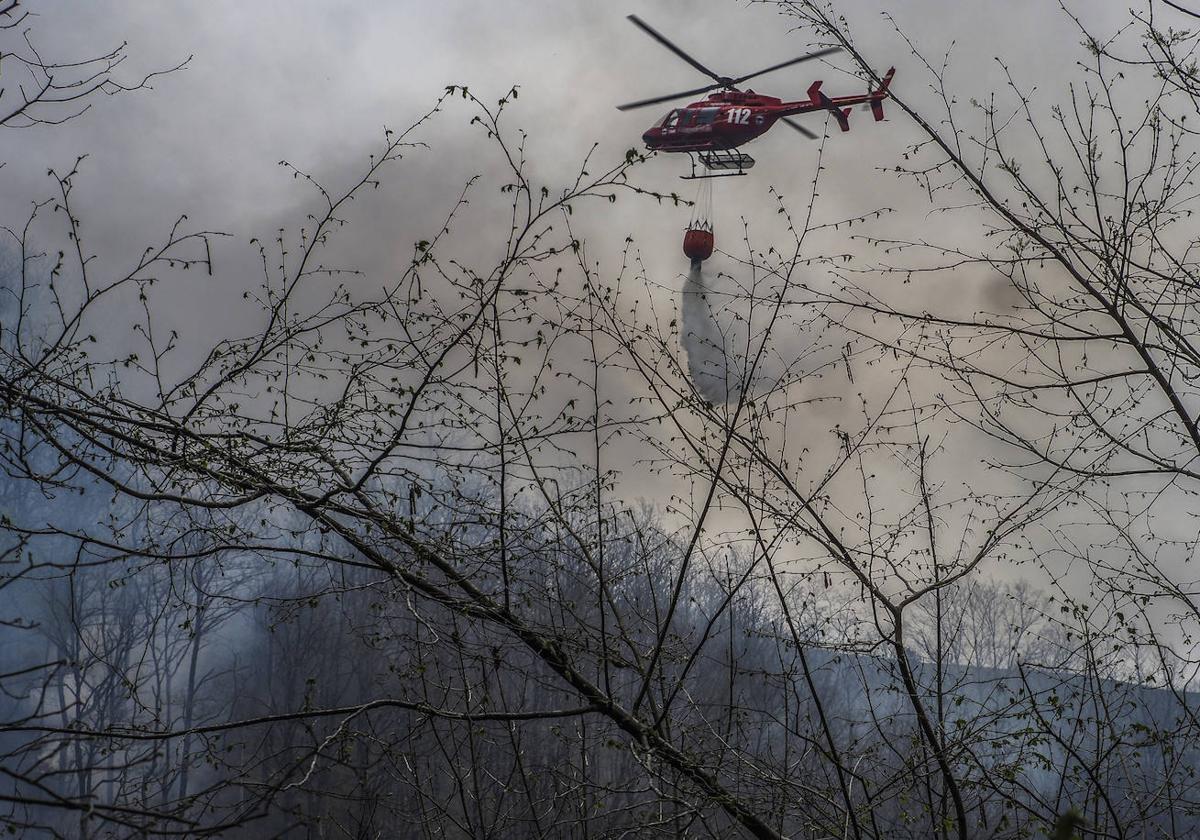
(669, 120)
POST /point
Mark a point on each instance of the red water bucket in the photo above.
(698, 244)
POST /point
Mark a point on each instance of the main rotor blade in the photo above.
(798, 127)
(642, 103)
(780, 66)
(657, 36)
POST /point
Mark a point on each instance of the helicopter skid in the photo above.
(718, 164)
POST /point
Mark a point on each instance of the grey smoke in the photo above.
(712, 364)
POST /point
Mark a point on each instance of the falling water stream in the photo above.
(709, 360)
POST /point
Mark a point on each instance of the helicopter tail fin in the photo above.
(816, 97)
(842, 115)
(880, 94)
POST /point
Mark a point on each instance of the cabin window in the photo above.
(671, 119)
(707, 116)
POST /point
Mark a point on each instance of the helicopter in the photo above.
(712, 129)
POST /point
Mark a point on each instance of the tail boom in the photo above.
(841, 106)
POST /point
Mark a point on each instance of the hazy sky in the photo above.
(315, 83)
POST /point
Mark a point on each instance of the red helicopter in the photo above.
(712, 129)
